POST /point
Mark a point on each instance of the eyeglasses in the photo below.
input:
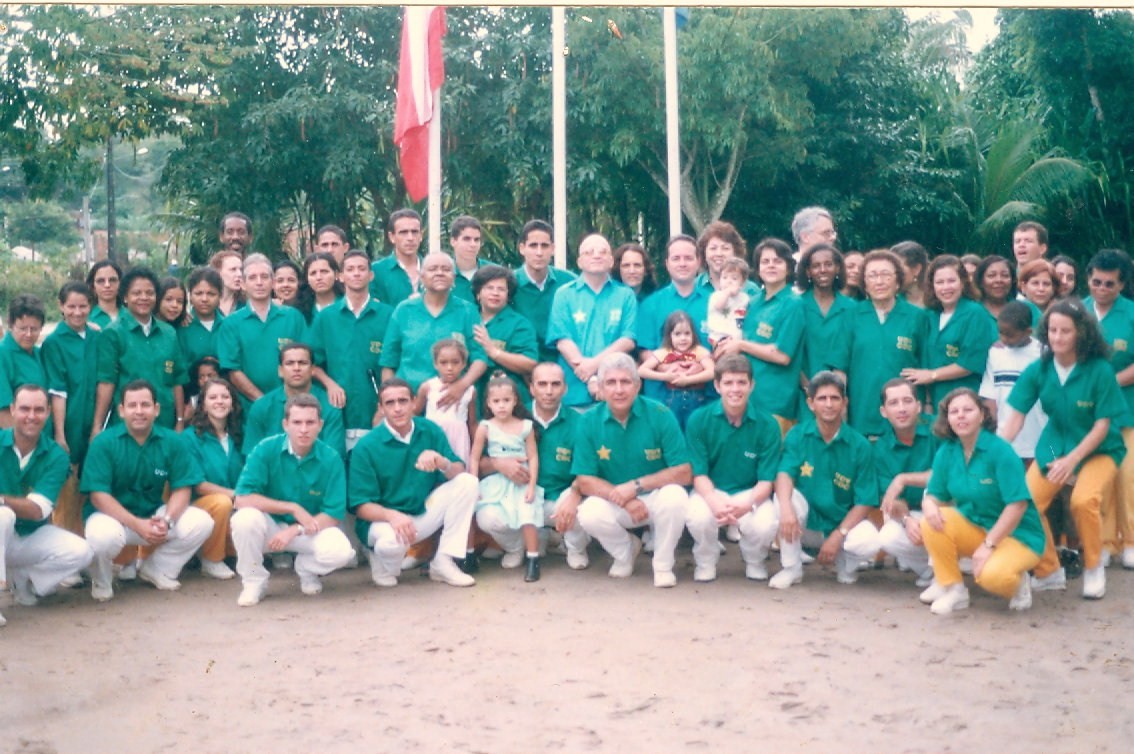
(1096, 283)
(26, 329)
(880, 276)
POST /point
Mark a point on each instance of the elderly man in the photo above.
(632, 466)
(810, 226)
(33, 469)
(591, 317)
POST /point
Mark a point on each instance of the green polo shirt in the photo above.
(834, 476)
(462, 286)
(980, 489)
(735, 459)
(776, 321)
(136, 475)
(44, 474)
(964, 341)
(266, 416)
(413, 330)
(252, 345)
(101, 318)
(391, 285)
(893, 457)
(316, 482)
(18, 367)
(513, 333)
(592, 320)
(126, 353)
(348, 348)
(1118, 329)
(824, 335)
(556, 450)
(382, 470)
(217, 465)
(198, 341)
(534, 303)
(1090, 393)
(879, 351)
(650, 442)
(653, 311)
(71, 363)
(1037, 314)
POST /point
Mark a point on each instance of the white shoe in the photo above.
(804, 558)
(1056, 581)
(281, 561)
(1022, 599)
(1128, 557)
(925, 578)
(648, 539)
(955, 597)
(409, 562)
(732, 533)
(128, 572)
(623, 569)
(161, 581)
(664, 579)
(1104, 558)
(721, 547)
(310, 585)
(512, 559)
(934, 591)
(216, 569)
(72, 581)
(756, 571)
(101, 593)
(966, 566)
(378, 575)
(1094, 583)
(846, 568)
(443, 569)
(251, 594)
(577, 560)
(490, 553)
(786, 577)
(24, 593)
(704, 573)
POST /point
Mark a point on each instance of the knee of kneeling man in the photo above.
(672, 494)
(245, 518)
(7, 518)
(465, 482)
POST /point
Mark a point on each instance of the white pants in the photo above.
(448, 508)
(107, 537)
(892, 538)
(45, 557)
(705, 530)
(491, 522)
(316, 555)
(608, 523)
(860, 541)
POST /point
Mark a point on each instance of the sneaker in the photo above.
(379, 576)
(623, 569)
(128, 572)
(577, 560)
(1022, 599)
(161, 581)
(512, 559)
(786, 577)
(1056, 581)
(956, 597)
(805, 557)
(409, 562)
(925, 578)
(704, 573)
(24, 592)
(648, 539)
(732, 533)
(310, 585)
(846, 568)
(281, 561)
(664, 579)
(443, 569)
(72, 581)
(930, 595)
(1128, 557)
(216, 569)
(756, 571)
(1094, 583)
(101, 593)
(251, 594)
(470, 563)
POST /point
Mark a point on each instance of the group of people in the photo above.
(835, 406)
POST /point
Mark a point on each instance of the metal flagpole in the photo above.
(435, 175)
(672, 120)
(559, 132)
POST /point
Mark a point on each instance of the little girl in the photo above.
(450, 356)
(682, 365)
(508, 434)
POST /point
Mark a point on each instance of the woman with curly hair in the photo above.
(995, 280)
(634, 268)
(319, 286)
(820, 276)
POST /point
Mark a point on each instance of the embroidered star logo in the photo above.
(806, 469)
(604, 453)
(580, 317)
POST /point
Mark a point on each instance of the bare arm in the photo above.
(246, 387)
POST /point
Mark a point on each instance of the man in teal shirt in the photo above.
(537, 281)
(291, 497)
(465, 238)
(397, 277)
(266, 416)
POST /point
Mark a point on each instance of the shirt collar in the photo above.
(403, 439)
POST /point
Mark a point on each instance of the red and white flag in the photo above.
(421, 71)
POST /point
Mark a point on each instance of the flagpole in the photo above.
(559, 133)
(672, 119)
(435, 175)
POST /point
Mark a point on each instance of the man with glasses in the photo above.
(810, 226)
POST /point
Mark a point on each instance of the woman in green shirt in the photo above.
(104, 279)
(70, 359)
(826, 311)
(508, 339)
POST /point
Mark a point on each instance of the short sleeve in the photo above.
(1026, 391)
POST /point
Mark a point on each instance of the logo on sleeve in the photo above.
(376, 346)
(615, 316)
(952, 351)
(653, 454)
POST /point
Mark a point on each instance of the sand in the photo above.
(578, 662)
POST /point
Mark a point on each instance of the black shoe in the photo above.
(532, 571)
(470, 563)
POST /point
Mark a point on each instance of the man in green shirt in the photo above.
(33, 470)
(632, 466)
(465, 238)
(405, 484)
(537, 281)
(397, 277)
(127, 469)
(824, 489)
(291, 497)
(736, 451)
(267, 414)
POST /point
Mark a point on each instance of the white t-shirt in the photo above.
(1003, 369)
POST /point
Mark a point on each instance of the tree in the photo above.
(39, 223)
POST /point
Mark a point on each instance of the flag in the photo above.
(421, 70)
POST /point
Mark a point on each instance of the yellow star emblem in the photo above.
(806, 469)
(580, 317)
(604, 453)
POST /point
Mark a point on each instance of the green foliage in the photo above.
(37, 224)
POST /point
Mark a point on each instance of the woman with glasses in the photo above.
(19, 355)
(103, 280)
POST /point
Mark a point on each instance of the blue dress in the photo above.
(499, 490)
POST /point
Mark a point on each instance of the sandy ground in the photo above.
(577, 662)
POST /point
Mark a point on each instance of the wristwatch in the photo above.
(844, 531)
(638, 488)
(168, 521)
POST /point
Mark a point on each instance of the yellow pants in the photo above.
(1094, 486)
(1118, 509)
(68, 512)
(1009, 562)
(219, 543)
